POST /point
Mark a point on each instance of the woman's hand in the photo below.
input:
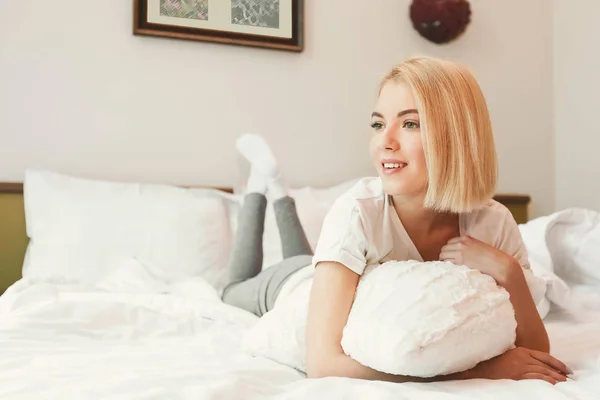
(476, 254)
(522, 363)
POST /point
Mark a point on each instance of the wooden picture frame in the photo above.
(274, 24)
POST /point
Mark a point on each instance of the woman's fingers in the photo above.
(449, 255)
(456, 247)
(453, 246)
(455, 240)
(551, 361)
(535, 375)
(548, 371)
(462, 239)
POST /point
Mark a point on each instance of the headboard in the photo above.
(13, 239)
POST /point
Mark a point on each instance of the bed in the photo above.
(134, 337)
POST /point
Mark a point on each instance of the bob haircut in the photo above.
(456, 133)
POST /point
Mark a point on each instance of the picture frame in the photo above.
(273, 24)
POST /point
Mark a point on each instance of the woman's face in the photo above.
(396, 147)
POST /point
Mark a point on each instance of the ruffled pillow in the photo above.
(428, 318)
(409, 318)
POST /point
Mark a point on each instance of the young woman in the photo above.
(433, 149)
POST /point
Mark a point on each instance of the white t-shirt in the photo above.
(362, 230)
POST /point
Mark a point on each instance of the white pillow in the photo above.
(428, 319)
(408, 318)
(81, 230)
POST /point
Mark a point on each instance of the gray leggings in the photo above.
(251, 288)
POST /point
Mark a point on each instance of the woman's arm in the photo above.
(331, 299)
(531, 332)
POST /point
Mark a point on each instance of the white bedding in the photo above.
(63, 343)
(126, 341)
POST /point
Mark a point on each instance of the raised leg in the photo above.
(247, 254)
(293, 238)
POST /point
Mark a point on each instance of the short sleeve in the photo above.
(342, 237)
(511, 241)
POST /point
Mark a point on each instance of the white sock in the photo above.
(264, 173)
(256, 150)
(257, 182)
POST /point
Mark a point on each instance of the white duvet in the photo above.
(130, 337)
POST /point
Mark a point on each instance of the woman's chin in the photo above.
(394, 188)
(399, 188)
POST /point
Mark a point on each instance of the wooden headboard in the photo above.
(13, 239)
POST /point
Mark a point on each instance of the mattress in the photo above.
(62, 342)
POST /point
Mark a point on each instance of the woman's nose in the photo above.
(388, 141)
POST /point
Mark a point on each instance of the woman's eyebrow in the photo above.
(400, 114)
(409, 111)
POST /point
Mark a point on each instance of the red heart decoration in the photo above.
(440, 21)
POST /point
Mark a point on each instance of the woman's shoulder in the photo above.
(489, 222)
(346, 233)
(490, 212)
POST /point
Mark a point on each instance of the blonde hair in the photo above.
(456, 132)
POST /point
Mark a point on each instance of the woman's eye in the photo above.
(410, 125)
(377, 126)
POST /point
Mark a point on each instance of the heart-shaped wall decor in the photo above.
(440, 21)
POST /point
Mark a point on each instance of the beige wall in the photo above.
(577, 103)
(80, 94)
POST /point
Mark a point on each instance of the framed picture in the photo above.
(276, 24)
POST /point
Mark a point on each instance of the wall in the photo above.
(576, 103)
(80, 94)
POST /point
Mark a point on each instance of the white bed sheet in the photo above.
(69, 342)
(59, 342)
(122, 339)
